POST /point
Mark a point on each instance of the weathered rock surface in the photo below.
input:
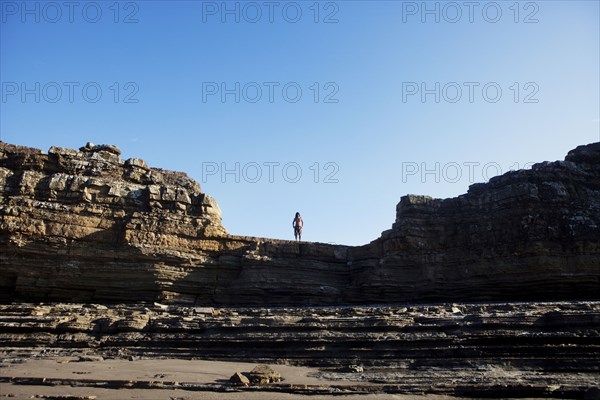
(87, 226)
(478, 350)
(263, 374)
(531, 233)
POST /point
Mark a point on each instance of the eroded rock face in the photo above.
(87, 226)
(67, 213)
(532, 233)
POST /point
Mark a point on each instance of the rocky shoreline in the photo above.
(465, 350)
(109, 266)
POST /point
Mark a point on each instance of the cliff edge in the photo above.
(85, 225)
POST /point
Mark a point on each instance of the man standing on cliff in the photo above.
(297, 224)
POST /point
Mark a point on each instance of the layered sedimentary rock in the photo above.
(480, 350)
(531, 233)
(87, 226)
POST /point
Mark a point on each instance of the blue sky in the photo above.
(335, 109)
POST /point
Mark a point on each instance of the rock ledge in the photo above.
(85, 225)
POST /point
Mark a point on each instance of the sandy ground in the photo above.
(195, 371)
(21, 392)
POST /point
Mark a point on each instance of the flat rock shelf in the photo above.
(549, 349)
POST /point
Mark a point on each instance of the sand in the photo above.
(168, 371)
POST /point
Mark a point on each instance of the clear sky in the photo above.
(334, 109)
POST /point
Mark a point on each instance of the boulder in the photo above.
(239, 379)
(137, 162)
(110, 148)
(264, 374)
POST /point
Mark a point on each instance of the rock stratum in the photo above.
(549, 349)
(86, 226)
(494, 293)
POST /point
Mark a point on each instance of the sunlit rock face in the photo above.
(85, 225)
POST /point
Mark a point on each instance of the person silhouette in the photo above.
(297, 224)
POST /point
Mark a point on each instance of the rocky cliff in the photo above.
(88, 226)
(524, 235)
